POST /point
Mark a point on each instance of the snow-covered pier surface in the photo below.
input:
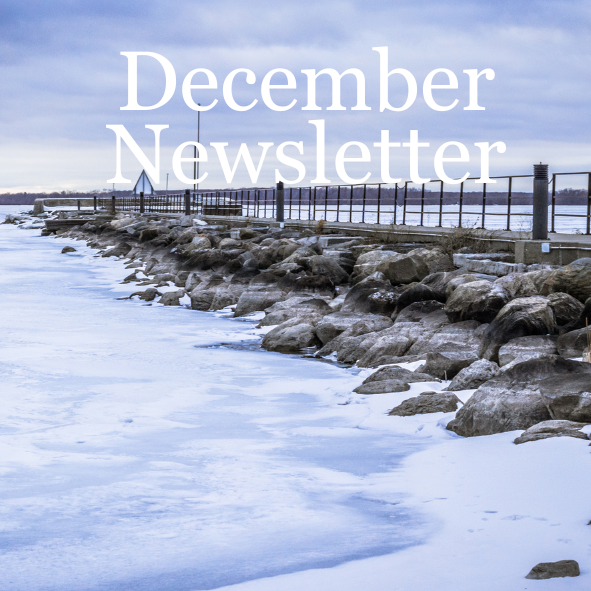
(155, 448)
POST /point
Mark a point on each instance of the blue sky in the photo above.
(64, 80)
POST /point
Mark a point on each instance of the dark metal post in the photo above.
(78, 204)
(553, 201)
(142, 202)
(113, 205)
(94, 203)
(540, 203)
(187, 202)
(509, 203)
(280, 202)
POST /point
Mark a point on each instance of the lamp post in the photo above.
(195, 163)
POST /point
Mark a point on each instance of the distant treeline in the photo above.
(29, 198)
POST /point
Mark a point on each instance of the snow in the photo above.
(149, 448)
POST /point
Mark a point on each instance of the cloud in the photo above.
(63, 78)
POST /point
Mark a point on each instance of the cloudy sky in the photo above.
(64, 80)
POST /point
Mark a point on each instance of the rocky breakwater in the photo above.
(511, 332)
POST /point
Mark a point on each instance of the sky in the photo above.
(64, 80)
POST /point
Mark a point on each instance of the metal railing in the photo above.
(399, 204)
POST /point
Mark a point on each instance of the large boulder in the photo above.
(477, 300)
(367, 263)
(418, 293)
(417, 311)
(522, 348)
(438, 282)
(568, 399)
(573, 343)
(387, 374)
(350, 349)
(292, 336)
(461, 333)
(328, 267)
(548, 429)
(474, 375)
(414, 265)
(382, 387)
(583, 320)
(171, 298)
(447, 360)
(373, 295)
(574, 279)
(520, 317)
(333, 325)
(428, 402)
(512, 399)
(464, 278)
(296, 307)
(517, 285)
(566, 309)
(312, 285)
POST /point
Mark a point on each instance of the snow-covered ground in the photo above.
(152, 448)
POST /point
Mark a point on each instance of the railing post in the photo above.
(142, 202)
(78, 204)
(540, 203)
(94, 200)
(113, 205)
(187, 202)
(280, 201)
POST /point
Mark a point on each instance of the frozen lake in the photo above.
(137, 452)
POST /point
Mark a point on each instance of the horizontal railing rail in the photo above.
(405, 203)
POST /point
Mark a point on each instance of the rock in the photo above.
(520, 317)
(291, 336)
(371, 296)
(117, 251)
(418, 311)
(314, 285)
(385, 348)
(574, 279)
(474, 375)
(523, 348)
(461, 333)
(66, 249)
(414, 265)
(547, 429)
(421, 405)
(247, 233)
(448, 362)
(517, 285)
(382, 387)
(398, 373)
(438, 282)
(582, 321)
(466, 278)
(147, 296)
(368, 263)
(333, 325)
(351, 349)
(568, 399)
(566, 308)
(294, 308)
(171, 298)
(226, 295)
(328, 267)
(148, 234)
(552, 570)
(417, 293)
(512, 399)
(477, 300)
(229, 244)
(572, 344)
